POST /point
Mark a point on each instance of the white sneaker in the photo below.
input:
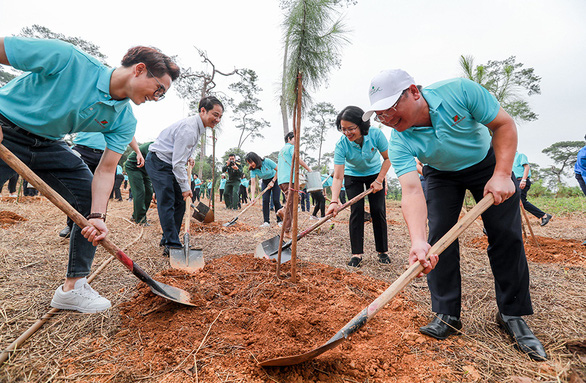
(266, 224)
(313, 217)
(82, 298)
(13, 195)
(281, 225)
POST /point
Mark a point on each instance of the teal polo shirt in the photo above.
(284, 164)
(328, 182)
(65, 91)
(361, 161)
(518, 169)
(244, 182)
(266, 171)
(457, 139)
(92, 140)
(222, 183)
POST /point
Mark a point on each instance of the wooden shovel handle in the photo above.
(16, 164)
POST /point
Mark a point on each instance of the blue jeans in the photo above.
(170, 204)
(56, 164)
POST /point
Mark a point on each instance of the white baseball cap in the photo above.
(385, 89)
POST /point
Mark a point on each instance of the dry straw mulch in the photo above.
(33, 262)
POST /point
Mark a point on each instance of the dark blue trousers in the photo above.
(170, 204)
(56, 164)
(506, 254)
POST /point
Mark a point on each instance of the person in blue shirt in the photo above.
(522, 172)
(446, 126)
(196, 187)
(221, 187)
(580, 168)
(64, 91)
(284, 165)
(580, 171)
(265, 170)
(357, 161)
(243, 192)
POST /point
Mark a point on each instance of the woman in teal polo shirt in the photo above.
(357, 161)
(265, 170)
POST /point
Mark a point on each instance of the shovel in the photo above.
(369, 312)
(186, 258)
(161, 289)
(270, 248)
(233, 221)
(203, 213)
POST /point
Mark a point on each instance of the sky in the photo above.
(423, 37)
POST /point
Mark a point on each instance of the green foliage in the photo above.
(564, 155)
(560, 205)
(5, 77)
(394, 191)
(505, 79)
(313, 41)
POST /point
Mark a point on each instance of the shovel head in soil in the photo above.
(186, 258)
(269, 249)
(168, 292)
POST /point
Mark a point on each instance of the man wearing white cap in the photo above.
(445, 126)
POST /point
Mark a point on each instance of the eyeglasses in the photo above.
(388, 113)
(344, 131)
(159, 94)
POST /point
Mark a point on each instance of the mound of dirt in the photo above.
(8, 218)
(547, 250)
(246, 314)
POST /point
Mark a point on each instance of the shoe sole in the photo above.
(77, 308)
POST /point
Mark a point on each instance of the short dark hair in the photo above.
(255, 158)
(156, 61)
(289, 136)
(353, 114)
(208, 103)
(231, 155)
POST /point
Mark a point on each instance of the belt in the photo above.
(22, 131)
(100, 151)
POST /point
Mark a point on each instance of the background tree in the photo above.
(322, 117)
(286, 5)
(40, 32)
(563, 154)
(244, 111)
(194, 85)
(505, 79)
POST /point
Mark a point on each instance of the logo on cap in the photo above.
(374, 90)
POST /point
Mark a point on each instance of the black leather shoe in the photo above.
(524, 338)
(442, 326)
(66, 232)
(545, 220)
(166, 251)
(383, 258)
(354, 261)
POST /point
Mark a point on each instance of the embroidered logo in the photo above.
(457, 119)
(104, 123)
(374, 90)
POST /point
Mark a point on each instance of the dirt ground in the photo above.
(246, 314)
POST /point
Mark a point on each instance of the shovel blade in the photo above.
(186, 258)
(172, 293)
(200, 212)
(232, 222)
(269, 249)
